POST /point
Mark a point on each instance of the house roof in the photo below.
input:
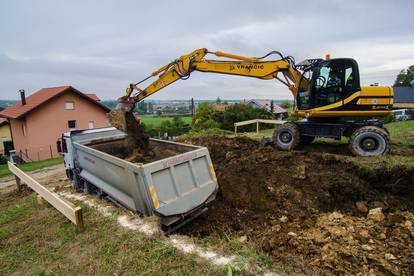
(93, 96)
(266, 105)
(403, 94)
(42, 96)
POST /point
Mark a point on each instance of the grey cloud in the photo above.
(101, 46)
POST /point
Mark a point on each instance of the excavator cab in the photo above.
(331, 81)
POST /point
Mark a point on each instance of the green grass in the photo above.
(154, 121)
(4, 171)
(38, 240)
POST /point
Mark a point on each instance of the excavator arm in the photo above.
(282, 69)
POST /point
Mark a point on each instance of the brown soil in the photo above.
(123, 150)
(135, 147)
(137, 139)
(310, 210)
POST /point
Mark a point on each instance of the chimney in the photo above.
(22, 96)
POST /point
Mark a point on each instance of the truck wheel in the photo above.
(369, 141)
(306, 140)
(287, 137)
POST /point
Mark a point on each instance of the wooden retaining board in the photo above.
(73, 213)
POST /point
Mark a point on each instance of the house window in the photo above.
(69, 105)
(90, 124)
(24, 129)
(72, 124)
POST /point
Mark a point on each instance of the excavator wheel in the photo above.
(287, 137)
(369, 141)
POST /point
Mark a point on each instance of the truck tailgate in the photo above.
(179, 184)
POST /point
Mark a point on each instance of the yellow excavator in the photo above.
(327, 95)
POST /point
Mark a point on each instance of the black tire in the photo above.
(287, 137)
(306, 140)
(369, 141)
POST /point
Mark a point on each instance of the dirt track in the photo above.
(314, 211)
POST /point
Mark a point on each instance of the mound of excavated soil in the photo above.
(310, 210)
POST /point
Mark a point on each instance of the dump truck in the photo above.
(177, 188)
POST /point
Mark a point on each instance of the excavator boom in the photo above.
(181, 68)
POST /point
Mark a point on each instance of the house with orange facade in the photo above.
(38, 121)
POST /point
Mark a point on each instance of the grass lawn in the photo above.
(154, 121)
(38, 240)
(4, 171)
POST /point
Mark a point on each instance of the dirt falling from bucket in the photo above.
(137, 140)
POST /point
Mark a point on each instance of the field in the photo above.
(317, 210)
(154, 121)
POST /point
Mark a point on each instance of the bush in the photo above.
(286, 104)
(207, 117)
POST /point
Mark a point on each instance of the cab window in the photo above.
(333, 81)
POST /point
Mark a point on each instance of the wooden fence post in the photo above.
(18, 183)
(79, 219)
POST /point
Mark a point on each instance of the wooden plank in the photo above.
(275, 122)
(66, 208)
(245, 122)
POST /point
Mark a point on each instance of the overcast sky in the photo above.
(102, 46)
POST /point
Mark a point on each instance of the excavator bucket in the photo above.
(118, 116)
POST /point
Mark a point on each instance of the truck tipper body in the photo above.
(177, 188)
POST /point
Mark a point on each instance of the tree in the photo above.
(272, 106)
(218, 100)
(240, 112)
(204, 117)
(405, 77)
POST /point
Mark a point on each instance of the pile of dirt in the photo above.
(310, 206)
